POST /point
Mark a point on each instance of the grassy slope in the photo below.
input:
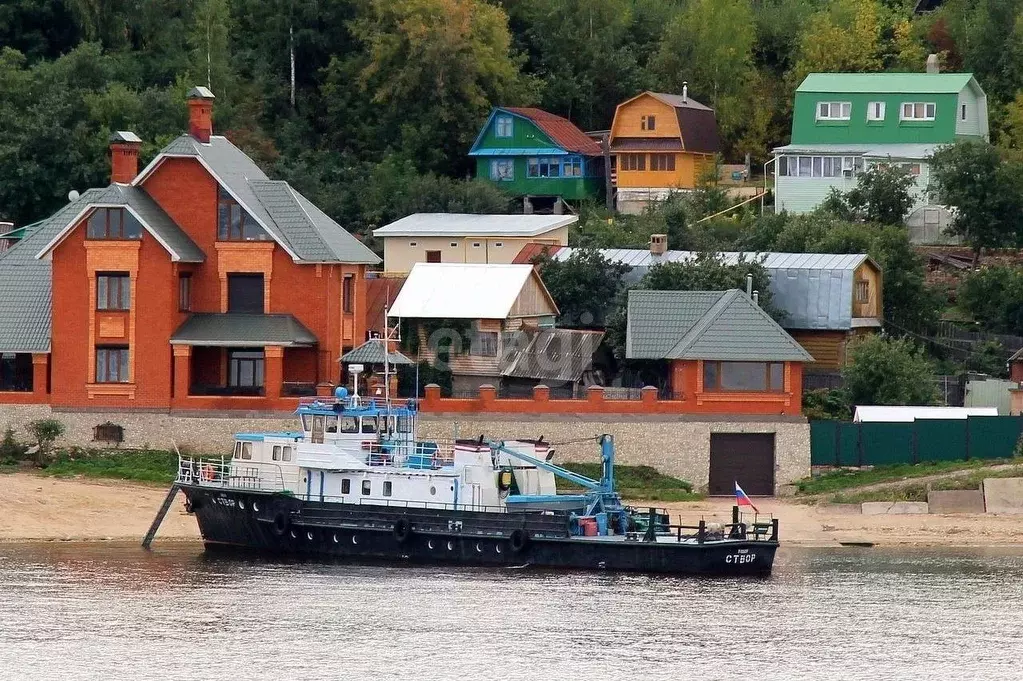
(139, 465)
(635, 483)
(918, 491)
(837, 481)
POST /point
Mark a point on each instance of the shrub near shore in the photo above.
(139, 465)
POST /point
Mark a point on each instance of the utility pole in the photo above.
(605, 149)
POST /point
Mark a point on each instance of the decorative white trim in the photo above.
(63, 234)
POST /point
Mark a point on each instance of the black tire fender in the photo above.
(519, 540)
(402, 530)
(281, 523)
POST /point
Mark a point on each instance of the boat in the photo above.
(354, 482)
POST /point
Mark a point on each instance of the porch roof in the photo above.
(242, 330)
(372, 352)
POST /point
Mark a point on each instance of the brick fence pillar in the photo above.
(431, 397)
(649, 395)
(488, 394)
(541, 393)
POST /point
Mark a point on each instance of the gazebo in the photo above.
(371, 356)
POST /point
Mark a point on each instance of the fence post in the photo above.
(838, 443)
(967, 438)
(859, 444)
(915, 443)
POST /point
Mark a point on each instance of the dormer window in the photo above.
(114, 223)
(918, 111)
(503, 126)
(234, 223)
(875, 111)
(648, 123)
(834, 111)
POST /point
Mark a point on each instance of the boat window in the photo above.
(349, 424)
(277, 453)
(346, 486)
(246, 450)
(237, 450)
(387, 488)
(331, 424)
(366, 486)
(305, 422)
(286, 454)
(404, 424)
(369, 424)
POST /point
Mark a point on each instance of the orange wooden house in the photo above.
(660, 142)
(197, 284)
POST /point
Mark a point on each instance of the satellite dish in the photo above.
(73, 195)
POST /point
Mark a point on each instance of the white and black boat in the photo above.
(354, 482)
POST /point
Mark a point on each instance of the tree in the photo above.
(584, 286)
(882, 194)
(994, 297)
(844, 36)
(888, 371)
(710, 45)
(986, 191)
(46, 432)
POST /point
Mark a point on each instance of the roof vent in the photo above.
(685, 91)
(932, 64)
(658, 244)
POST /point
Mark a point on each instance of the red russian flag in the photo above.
(741, 499)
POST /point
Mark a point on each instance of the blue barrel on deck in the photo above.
(423, 456)
(601, 524)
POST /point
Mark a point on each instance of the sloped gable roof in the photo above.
(697, 123)
(464, 291)
(293, 221)
(153, 219)
(554, 355)
(898, 83)
(25, 289)
(372, 352)
(712, 325)
(562, 131)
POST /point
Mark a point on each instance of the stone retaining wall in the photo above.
(678, 446)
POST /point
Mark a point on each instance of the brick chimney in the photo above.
(658, 244)
(124, 156)
(200, 113)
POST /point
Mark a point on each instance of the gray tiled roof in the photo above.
(242, 330)
(25, 295)
(180, 244)
(719, 325)
(289, 217)
(372, 352)
(553, 355)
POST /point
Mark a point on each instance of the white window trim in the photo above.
(829, 117)
(511, 127)
(872, 106)
(904, 117)
(502, 162)
(962, 112)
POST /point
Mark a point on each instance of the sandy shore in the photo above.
(35, 508)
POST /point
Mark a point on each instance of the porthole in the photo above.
(355, 540)
(255, 506)
(479, 549)
(451, 546)
(292, 533)
(498, 548)
(433, 490)
(429, 544)
(241, 504)
(309, 536)
(335, 538)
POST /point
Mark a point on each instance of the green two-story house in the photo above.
(535, 154)
(844, 122)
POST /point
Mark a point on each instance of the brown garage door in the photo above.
(746, 458)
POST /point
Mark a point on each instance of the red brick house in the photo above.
(196, 284)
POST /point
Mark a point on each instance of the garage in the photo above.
(746, 458)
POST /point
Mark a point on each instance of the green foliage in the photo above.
(583, 287)
(11, 451)
(827, 405)
(45, 432)
(142, 465)
(424, 373)
(994, 296)
(888, 371)
(635, 482)
(986, 190)
(882, 194)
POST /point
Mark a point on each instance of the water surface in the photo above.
(100, 611)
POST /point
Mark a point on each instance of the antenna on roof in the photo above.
(756, 298)
(73, 195)
(685, 91)
(749, 285)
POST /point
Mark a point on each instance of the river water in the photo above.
(102, 611)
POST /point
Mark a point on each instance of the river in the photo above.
(111, 611)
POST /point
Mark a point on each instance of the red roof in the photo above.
(562, 131)
(531, 250)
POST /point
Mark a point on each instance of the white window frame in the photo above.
(499, 175)
(504, 122)
(876, 111)
(911, 107)
(836, 111)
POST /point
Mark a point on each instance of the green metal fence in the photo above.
(834, 443)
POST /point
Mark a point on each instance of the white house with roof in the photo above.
(466, 238)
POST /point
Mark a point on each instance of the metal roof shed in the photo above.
(908, 414)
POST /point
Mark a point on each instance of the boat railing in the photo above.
(704, 531)
(228, 473)
(418, 455)
(410, 504)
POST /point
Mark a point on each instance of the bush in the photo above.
(45, 431)
(11, 450)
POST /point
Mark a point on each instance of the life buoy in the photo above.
(402, 530)
(519, 540)
(504, 480)
(280, 524)
(206, 472)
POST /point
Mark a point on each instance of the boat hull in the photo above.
(284, 525)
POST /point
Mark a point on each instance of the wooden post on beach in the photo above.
(158, 520)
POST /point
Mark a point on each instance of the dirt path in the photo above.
(37, 507)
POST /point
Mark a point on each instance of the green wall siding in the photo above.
(525, 135)
(806, 129)
(572, 188)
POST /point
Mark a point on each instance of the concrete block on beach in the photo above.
(955, 501)
(843, 509)
(893, 507)
(1003, 495)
